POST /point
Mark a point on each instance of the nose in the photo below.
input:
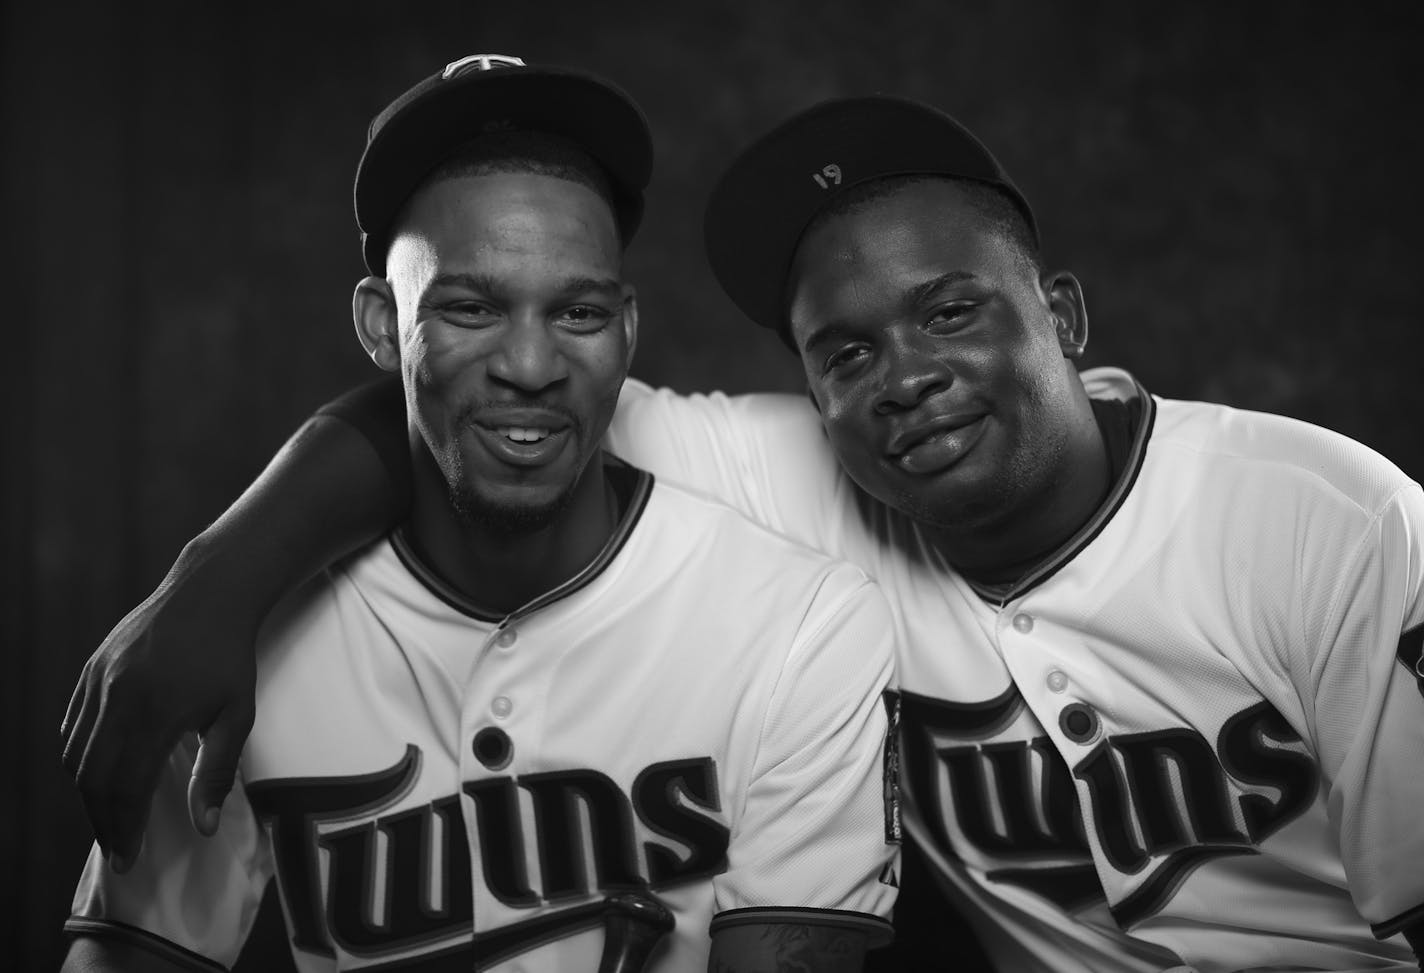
(528, 356)
(913, 371)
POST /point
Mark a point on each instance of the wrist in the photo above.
(238, 569)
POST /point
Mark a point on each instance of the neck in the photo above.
(1004, 548)
(502, 570)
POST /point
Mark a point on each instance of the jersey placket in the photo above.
(501, 726)
(1063, 685)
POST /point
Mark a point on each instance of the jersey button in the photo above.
(493, 748)
(502, 707)
(1078, 722)
(507, 638)
(1057, 681)
(1023, 622)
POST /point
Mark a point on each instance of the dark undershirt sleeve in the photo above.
(377, 411)
(1414, 935)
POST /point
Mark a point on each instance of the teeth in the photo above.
(522, 435)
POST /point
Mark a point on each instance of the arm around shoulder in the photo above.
(183, 660)
(818, 844)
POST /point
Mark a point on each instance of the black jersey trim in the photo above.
(878, 931)
(630, 485)
(142, 938)
(1411, 654)
(1400, 923)
(1117, 495)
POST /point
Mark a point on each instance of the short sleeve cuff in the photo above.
(878, 931)
(143, 939)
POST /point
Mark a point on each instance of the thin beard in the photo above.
(505, 519)
(502, 518)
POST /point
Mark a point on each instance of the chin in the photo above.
(953, 500)
(524, 515)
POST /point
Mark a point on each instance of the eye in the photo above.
(948, 317)
(586, 318)
(468, 314)
(843, 357)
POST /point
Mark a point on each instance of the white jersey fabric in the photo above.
(1193, 737)
(699, 713)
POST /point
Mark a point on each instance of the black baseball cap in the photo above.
(486, 93)
(763, 203)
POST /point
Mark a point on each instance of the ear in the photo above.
(373, 308)
(1070, 314)
(630, 321)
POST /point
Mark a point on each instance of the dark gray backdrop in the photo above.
(1237, 186)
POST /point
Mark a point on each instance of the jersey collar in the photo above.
(632, 487)
(1103, 384)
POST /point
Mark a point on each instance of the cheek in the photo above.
(604, 365)
(840, 409)
(437, 373)
(436, 358)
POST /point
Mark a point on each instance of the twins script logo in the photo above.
(1014, 801)
(399, 884)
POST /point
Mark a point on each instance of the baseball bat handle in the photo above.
(633, 925)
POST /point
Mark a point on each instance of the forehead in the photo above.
(932, 220)
(513, 221)
(886, 244)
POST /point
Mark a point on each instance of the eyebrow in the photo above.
(486, 284)
(914, 296)
(923, 292)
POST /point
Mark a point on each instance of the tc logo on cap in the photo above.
(480, 62)
(831, 172)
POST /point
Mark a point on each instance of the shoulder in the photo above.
(712, 530)
(1295, 460)
(769, 407)
(1230, 449)
(315, 623)
(644, 410)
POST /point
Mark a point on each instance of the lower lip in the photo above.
(538, 453)
(942, 450)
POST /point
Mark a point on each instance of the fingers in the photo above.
(216, 766)
(115, 767)
(117, 772)
(79, 718)
(119, 794)
(76, 705)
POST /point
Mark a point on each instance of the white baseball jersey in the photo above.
(699, 713)
(1192, 737)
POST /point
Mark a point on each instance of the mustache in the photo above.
(470, 412)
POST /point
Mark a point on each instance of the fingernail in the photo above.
(210, 820)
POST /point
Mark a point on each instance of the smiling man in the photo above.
(477, 736)
(1160, 661)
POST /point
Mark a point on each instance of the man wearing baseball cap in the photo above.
(522, 731)
(1162, 663)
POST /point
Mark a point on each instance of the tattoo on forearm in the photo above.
(789, 948)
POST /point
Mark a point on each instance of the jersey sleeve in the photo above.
(189, 898)
(818, 837)
(1367, 685)
(764, 455)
